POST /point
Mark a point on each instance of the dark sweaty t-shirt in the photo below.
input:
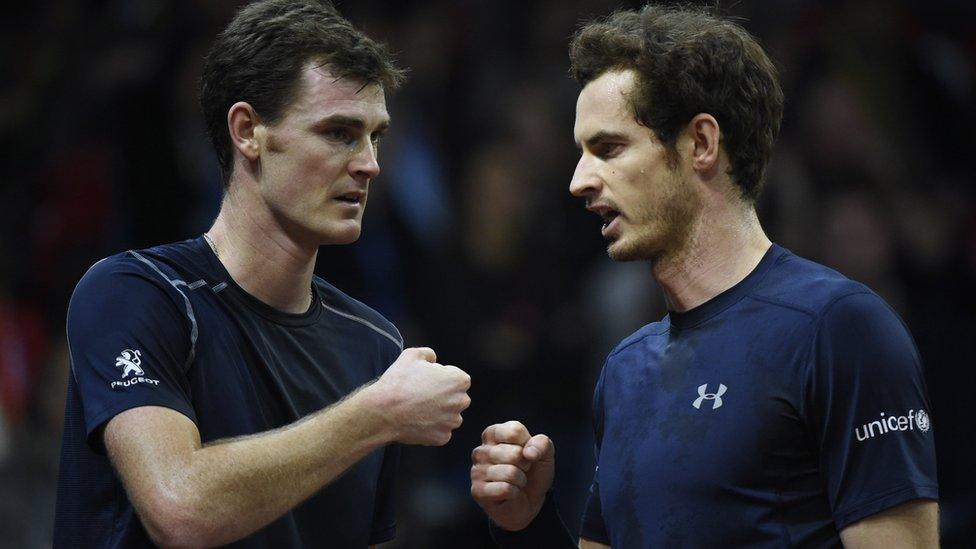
(773, 415)
(167, 326)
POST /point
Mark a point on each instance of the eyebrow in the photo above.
(349, 122)
(602, 136)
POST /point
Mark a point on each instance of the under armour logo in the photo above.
(702, 395)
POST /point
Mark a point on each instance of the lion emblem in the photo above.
(129, 362)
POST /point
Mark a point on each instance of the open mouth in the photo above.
(351, 198)
(608, 217)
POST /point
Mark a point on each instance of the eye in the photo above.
(339, 134)
(607, 150)
(377, 137)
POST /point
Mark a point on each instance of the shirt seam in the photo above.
(807, 362)
(364, 322)
(175, 283)
(772, 301)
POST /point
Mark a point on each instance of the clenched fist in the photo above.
(511, 473)
(422, 400)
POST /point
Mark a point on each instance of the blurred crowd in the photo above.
(472, 243)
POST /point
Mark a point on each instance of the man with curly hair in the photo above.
(778, 403)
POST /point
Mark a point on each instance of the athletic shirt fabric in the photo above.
(773, 415)
(168, 326)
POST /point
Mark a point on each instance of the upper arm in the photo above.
(911, 524)
(150, 448)
(867, 407)
(131, 334)
(130, 339)
(587, 544)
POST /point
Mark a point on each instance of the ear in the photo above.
(706, 136)
(242, 123)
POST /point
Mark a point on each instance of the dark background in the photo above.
(472, 243)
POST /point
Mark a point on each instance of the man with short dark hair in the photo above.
(220, 393)
(778, 403)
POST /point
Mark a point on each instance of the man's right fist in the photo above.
(511, 473)
(421, 399)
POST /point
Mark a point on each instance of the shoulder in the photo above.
(636, 341)
(835, 307)
(338, 302)
(148, 278)
(806, 286)
(166, 262)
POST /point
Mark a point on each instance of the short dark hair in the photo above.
(259, 57)
(689, 61)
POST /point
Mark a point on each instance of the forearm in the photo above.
(189, 494)
(226, 490)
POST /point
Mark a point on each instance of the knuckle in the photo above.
(511, 475)
(514, 428)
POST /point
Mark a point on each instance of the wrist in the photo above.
(546, 529)
(373, 407)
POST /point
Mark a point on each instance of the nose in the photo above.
(365, 164)
(585, 181)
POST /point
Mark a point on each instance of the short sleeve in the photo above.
(592, 526)
(384, 511)
(867, 405)
(129, 336)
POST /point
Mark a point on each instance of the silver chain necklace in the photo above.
(210, 242)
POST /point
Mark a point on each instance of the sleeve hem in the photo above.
(104, 416)
(594, 529)
(598, 538)
(885, 501)
(383, 535)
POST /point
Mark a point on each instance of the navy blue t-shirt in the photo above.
(168, 327)
(774, 415)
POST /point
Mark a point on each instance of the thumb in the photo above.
(539, 448)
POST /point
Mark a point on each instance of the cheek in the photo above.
(319, 166)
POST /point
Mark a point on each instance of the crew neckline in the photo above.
(726, 299)
(261, 308)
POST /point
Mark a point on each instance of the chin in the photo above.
(346, 234)
(623, 249)
(619, 252)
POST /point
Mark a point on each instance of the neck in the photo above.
(724, 245)
(260, 255)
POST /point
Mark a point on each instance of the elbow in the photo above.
(173, 521)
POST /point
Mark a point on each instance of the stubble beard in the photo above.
(660, 230)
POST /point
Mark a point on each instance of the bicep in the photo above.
(911, 524)
(150, 448)
(129, 344)
(866, 405)
(587, 544)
